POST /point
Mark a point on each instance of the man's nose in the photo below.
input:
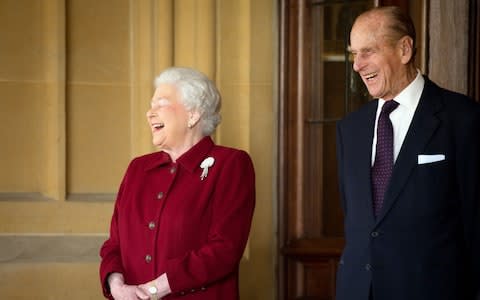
(358, 63)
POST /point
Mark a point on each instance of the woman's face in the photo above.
(168, 118)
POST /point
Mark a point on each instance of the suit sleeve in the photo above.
(233, 205)
(468, 174)
(340, 171)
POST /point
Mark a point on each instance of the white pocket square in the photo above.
(427, 159)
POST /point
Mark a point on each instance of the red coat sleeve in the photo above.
(110, 251)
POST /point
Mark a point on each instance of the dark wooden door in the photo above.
(317, 88)
(474, 50)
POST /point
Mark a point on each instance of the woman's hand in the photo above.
(157, 288)
(122, 291)
(128, 292)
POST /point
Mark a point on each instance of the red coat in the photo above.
(167, 220)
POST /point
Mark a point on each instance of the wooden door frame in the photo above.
(474, 50)
(293, 64)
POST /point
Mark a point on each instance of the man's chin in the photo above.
(374, 94)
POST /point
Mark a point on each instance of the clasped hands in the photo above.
(151, 290)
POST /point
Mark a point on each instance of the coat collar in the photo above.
(190, 160)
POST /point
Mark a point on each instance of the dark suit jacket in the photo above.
(424, 245)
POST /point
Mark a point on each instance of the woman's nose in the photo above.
(150, 114)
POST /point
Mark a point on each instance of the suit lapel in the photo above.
(424, 124)
(363, 139)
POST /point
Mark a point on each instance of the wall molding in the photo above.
(50, 248)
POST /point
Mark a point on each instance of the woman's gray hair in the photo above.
(197, 93)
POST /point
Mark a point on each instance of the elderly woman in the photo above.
(183, 214)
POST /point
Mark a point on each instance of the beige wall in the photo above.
(75, 82)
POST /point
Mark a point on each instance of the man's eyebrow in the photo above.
(362, 50)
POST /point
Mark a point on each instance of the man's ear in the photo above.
(406, 49)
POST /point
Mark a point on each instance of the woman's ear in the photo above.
(193, 118)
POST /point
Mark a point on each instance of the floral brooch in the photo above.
(206, 163)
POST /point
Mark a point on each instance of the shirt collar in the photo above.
(190, 160)
(410, 96)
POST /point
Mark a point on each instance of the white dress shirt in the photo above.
(402, 116)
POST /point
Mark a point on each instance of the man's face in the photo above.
(377, 60)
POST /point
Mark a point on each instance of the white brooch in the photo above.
(206, 163)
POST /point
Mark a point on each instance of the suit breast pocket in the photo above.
(433, 173)
(431, 190)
